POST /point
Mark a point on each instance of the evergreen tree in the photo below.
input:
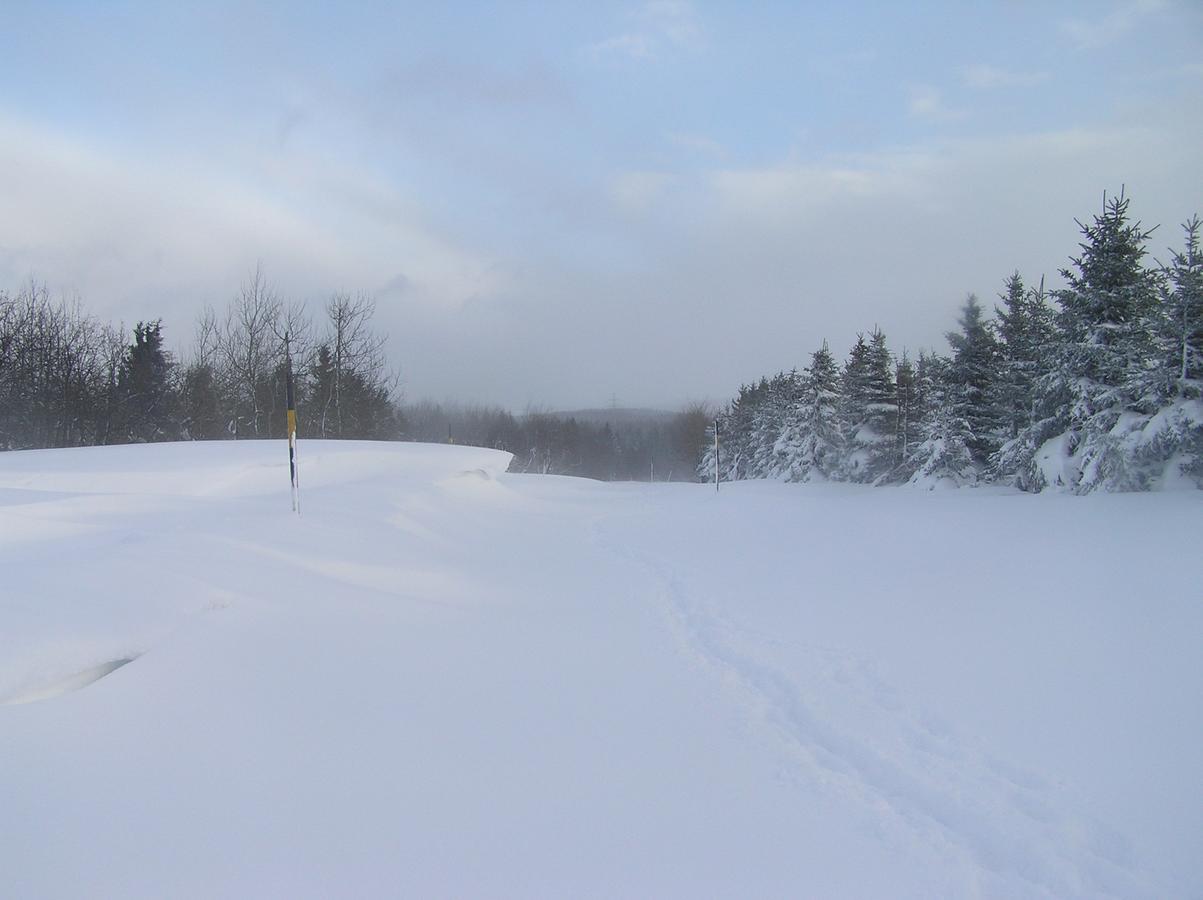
(147, 401)
(1169, 445)
(909, 414)
(736, 425)
(1089, 403)
(1025, 333)
(369, 413)
(201, 418)
(971, 379)
(1183, 303)
(1106, 393)
(877, 435)
(745, 423)
(854, 404)
(810, 444)
(768, 427)
(704, 470)
(1108, 318)
(1107, 308)
(319, 415)
(1031, 387)
(941, 457)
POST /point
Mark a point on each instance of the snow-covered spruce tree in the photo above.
(909, 413)
(1178, 369)
(1028, 345)
(942, 457)
(853, 411)
(883, 410)
(734, 431)
(705, 466)
(735, 425)
(782, 394)
(1185, 308)
(788, 451)
(1087, 406)
(971, 380)
(870, 412)
(747, 416)
(1169, 446)
(913, 384)
(1026, 339)
(810, 443)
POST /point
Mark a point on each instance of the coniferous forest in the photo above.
(1096, 385)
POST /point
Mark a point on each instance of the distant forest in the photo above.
(1101, 389)
(607, 445)
(69, 380)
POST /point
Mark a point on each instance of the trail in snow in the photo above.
(899, 773)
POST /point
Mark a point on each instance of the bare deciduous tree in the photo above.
(351, 366)
(247, 348)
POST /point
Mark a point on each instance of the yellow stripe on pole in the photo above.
(292, 423)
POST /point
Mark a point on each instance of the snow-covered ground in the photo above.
(447, 681)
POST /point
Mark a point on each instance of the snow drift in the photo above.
(446, 680)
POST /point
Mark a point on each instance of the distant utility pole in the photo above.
(292, 428)
(716, 454)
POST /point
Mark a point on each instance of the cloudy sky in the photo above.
(556, 204)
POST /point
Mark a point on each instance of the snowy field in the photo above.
(444, 680)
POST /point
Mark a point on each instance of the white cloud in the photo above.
(698, 144)
(673, 20)
(631, 46)
(784, 256)
(986, 77)
(1090, 34)
(161, 238)
(933, 178)
(661, 25)
(780, 193)
(637, 192)
(839, 65)
(926, 102)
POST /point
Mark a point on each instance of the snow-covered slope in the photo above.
(447, 681)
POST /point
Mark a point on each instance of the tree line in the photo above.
(1100, 389)
(68, 380)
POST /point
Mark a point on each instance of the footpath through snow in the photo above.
(445, 680)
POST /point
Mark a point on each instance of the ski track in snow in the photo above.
(934, 787)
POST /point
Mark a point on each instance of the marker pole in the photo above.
(293, 475)
(716, 454)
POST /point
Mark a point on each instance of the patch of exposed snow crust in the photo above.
(46, 689)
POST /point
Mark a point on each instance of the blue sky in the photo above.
(556, 203)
